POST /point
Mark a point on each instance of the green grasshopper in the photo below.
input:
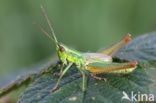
(86, 61)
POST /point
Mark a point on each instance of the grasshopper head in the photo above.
(61, 51)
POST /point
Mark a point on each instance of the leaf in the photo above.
(142, 49)
(70, 86)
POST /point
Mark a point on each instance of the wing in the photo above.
(96, 57)
(119, 68)
(114, 48)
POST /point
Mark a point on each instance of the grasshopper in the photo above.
(86, 61)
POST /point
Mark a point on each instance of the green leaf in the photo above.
(142, 49)
(97, 90)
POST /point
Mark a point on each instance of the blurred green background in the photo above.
(85, 25)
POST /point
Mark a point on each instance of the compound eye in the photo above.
(62, 49)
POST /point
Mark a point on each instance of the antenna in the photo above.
(51, 29)
(44, 32)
